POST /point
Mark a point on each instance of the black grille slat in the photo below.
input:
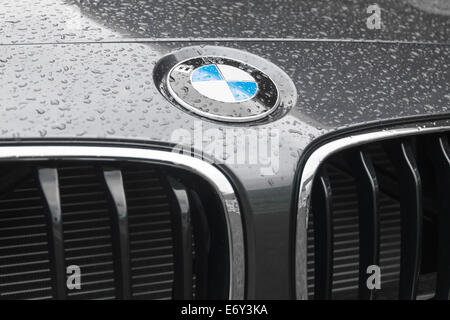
(323, 234)
(114, 183)
(439, 146)
(49, 184)
(182, 237)
(368, 198)
(410, 190)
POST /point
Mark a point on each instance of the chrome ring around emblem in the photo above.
(223, 89)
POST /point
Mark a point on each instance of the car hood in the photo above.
(26, 21)
(107, 89)
(69, 69)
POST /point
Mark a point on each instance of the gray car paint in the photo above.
(92, 80)
(56, 20)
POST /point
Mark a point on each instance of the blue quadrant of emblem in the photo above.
(210, 77)
(242, 90)
(207, 73)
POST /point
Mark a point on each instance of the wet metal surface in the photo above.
(83, 20)
(106, 91)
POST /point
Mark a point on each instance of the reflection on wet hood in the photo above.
(26, 21)
(432, 6)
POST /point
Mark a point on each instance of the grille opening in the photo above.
(356, 220)
(140, 257)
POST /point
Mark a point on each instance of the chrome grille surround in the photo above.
(201, 168)
(308, 170)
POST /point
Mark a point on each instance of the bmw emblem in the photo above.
(223, 88)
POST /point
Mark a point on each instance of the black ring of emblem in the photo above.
(180, 87)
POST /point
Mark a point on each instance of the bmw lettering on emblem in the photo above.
(222, 89)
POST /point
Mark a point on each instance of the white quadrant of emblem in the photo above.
(215, 89)
(231, 73)
(224, 83)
